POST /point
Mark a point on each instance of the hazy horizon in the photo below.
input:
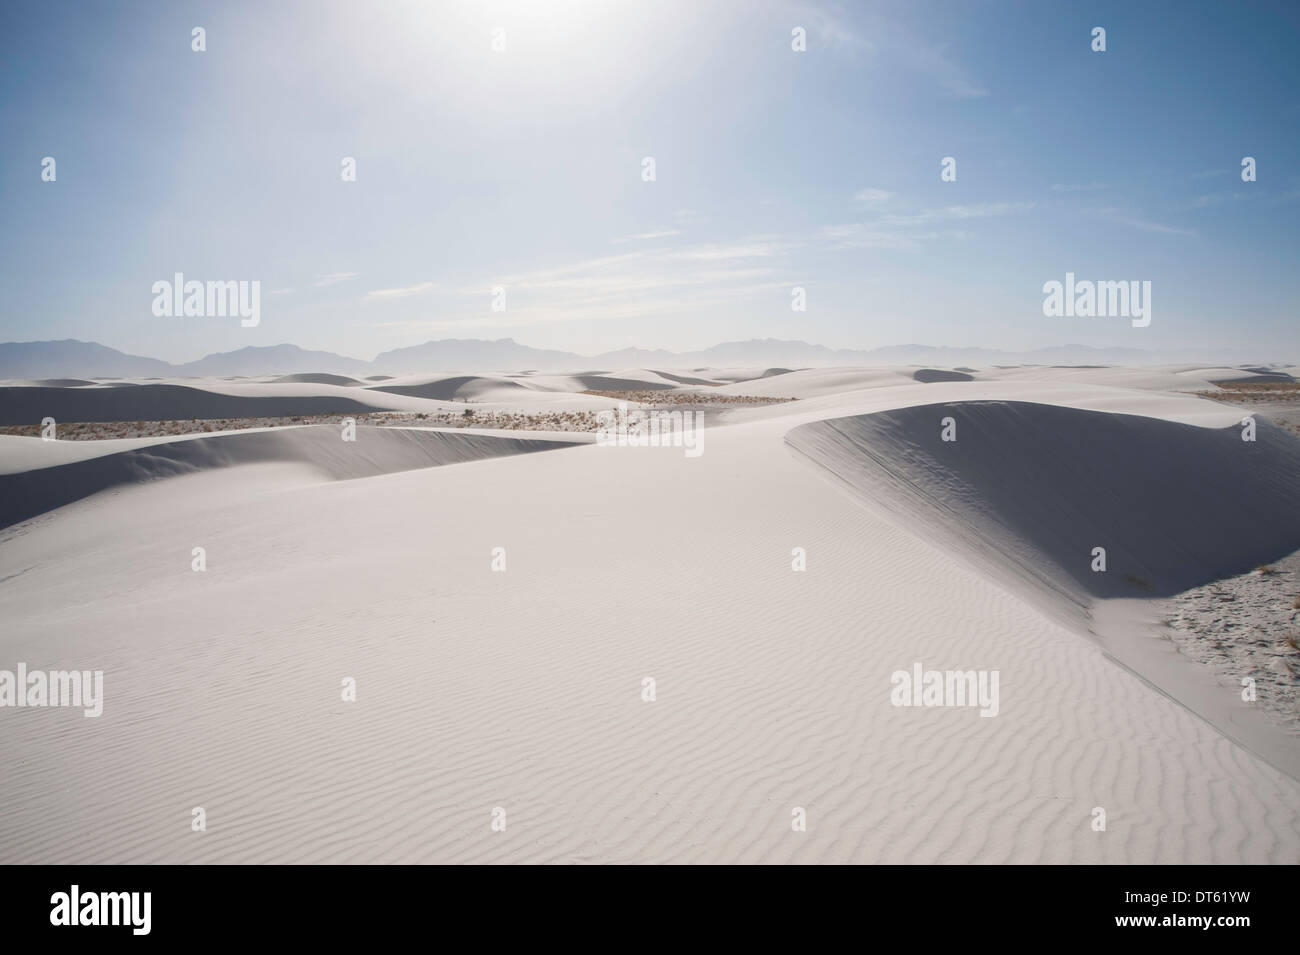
(492, 353)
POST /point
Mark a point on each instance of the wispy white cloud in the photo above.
(896, 47)
(828, 28)
(1146, 225)
(744, 250)
(406, 292)
(1078, 187)
(872, 194)
(557, 272)
(980, 210)
(645, 236)
(674, 281)
(604, 306)
(645, 282)
(333, 278)
(1214, 198)
(937, 62)
(856, 235)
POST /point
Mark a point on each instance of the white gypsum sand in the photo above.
(522, 688)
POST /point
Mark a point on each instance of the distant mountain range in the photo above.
(76, 359)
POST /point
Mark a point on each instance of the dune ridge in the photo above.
(1026, 491)
(26, 494)
(1174, 505)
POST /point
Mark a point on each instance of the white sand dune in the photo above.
(1027, 491)
(1167, 378)
(374, 451)
(522, 688)
(316, 378)
(635, 382)
(303, 395)
(451, 387)
(815, 382)
(1043, 485)
(686, 379)
(735, 375)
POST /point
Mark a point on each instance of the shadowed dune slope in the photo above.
(317, 378)
(375, 451)
(130, 402)
(929, 375)
(1260, 379)
(1039, 486)
(445, 389)
(685, 379)
(594, 382)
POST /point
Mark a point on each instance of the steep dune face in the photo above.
(686, 379)
(375, 451)
(308, 378)
(595, 382)
(1038, 487)
(457, 386)
(929, 375)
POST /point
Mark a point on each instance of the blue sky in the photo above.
(522, 168)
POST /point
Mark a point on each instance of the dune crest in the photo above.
(376, 451)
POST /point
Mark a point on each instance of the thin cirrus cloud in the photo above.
(931, 60)
(608, 299)
(856, 235)
(403, 292)
(830, 30)
(645, 236)
(893, 46)
(654, 281)
(651, 281)
(873, 195)
(739, 250)
(1201, 202)
(627, 285)
(333, 278)
(1146, 225)
(979, 210)
(1078, 187)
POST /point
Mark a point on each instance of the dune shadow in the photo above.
(132, 402)
(929, 375)
(1038, 487)
(27, 494)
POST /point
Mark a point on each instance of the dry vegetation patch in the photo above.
(1252, 391)
(468, 418)
(696, 399)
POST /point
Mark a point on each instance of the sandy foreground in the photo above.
(523, 689)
